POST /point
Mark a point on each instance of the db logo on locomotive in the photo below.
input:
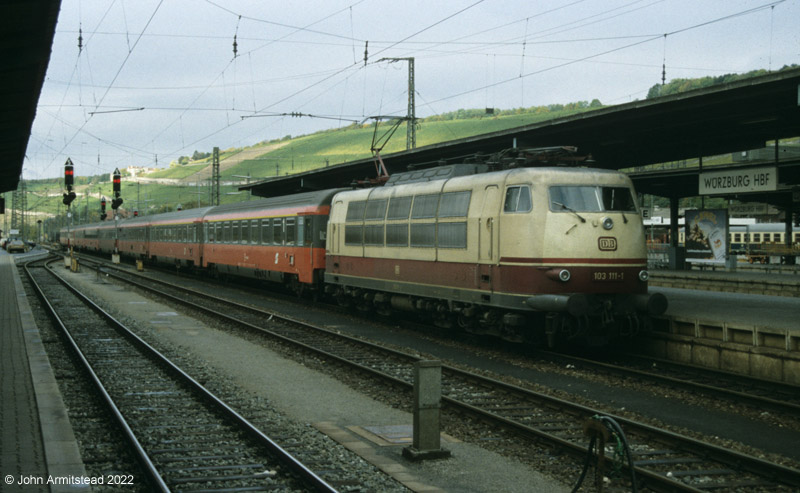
(607, 243)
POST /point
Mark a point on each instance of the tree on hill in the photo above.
(677, 86)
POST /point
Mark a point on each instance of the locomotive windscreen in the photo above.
(591, 198)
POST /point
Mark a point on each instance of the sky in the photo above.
(153, 80)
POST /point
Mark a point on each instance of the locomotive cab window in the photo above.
(591, 199)
(518, 199)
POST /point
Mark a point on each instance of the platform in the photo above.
(744, 321)
(769, 280)
(37, 440)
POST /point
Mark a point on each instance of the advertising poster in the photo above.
(707, 234)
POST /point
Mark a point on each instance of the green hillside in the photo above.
(351, 143)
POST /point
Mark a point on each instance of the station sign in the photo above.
(751, 209)
(764, 179)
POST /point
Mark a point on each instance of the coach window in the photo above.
(254, 233)
(235, 235)
(277, 231)
(226, 232)
(266, 232)
(245, 232)
(290, 231)
(757, 237)
(518, 199)
(308, 231)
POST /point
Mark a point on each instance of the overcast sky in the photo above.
(175, 59)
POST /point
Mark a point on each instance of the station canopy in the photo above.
(25, 43)
(726, 118)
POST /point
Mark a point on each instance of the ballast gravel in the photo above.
(277, 390)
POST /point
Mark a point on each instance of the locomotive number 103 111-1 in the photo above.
(608, 276)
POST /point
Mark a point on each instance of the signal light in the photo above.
(68, 198)
(103, 214)
(69, 180)
(116, 201)
(69, 174)
(116, 182)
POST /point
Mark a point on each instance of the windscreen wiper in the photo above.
(570, 210)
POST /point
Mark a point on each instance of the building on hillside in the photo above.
(134, 171)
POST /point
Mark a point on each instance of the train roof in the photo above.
(762, 228)
(178, 217)
(307, 200)
(446, 181)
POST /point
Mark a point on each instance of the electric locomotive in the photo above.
(529, 254)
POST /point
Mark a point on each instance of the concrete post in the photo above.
(426, 442)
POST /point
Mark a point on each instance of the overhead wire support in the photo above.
(116, 111)
(411, 128)
(235, 44)
(297, 114)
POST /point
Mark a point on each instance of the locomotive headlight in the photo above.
(564, 275)
(608, 223)
(644, 275)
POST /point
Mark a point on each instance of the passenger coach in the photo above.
(279, 239)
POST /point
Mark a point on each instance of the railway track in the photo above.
(663, 461)
(740, 389)
(735, 388)
(184, 437)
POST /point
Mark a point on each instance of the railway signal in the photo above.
(117, 200)
(69, 181)
(103, 214)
